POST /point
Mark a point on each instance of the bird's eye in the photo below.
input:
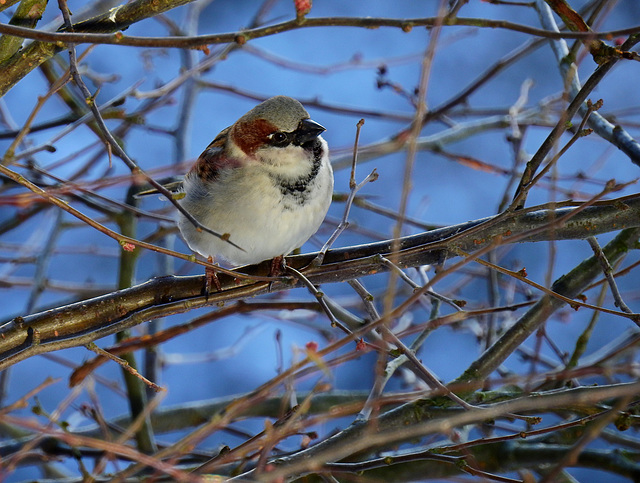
(278, 138)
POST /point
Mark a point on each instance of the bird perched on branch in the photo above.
(266, 181)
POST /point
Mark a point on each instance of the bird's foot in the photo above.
(278, 267)
(211, 279)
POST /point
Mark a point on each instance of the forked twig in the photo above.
(354, 188)
(319, 297)
(124, 364)
(608, 273)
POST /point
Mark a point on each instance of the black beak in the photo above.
(307, 131)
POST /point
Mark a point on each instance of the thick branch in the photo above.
(116, 19)
(107, 24)
(86, 321)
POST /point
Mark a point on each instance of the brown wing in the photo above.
(213, 159)
(207, 166)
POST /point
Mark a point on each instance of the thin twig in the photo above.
(125, 365)
(608, 273)
(380, 381)
(404, 277)
(354, 188)
(320, 297)
(580, 132)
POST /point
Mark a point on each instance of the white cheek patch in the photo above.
(288, 162)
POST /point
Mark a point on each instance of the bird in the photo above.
(266, 182)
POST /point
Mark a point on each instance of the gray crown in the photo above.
(281, 111)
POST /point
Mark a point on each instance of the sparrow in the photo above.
(266, 181)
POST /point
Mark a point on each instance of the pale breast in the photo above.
(247, 204)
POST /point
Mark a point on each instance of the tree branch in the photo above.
(116, 19)
(83, 322)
